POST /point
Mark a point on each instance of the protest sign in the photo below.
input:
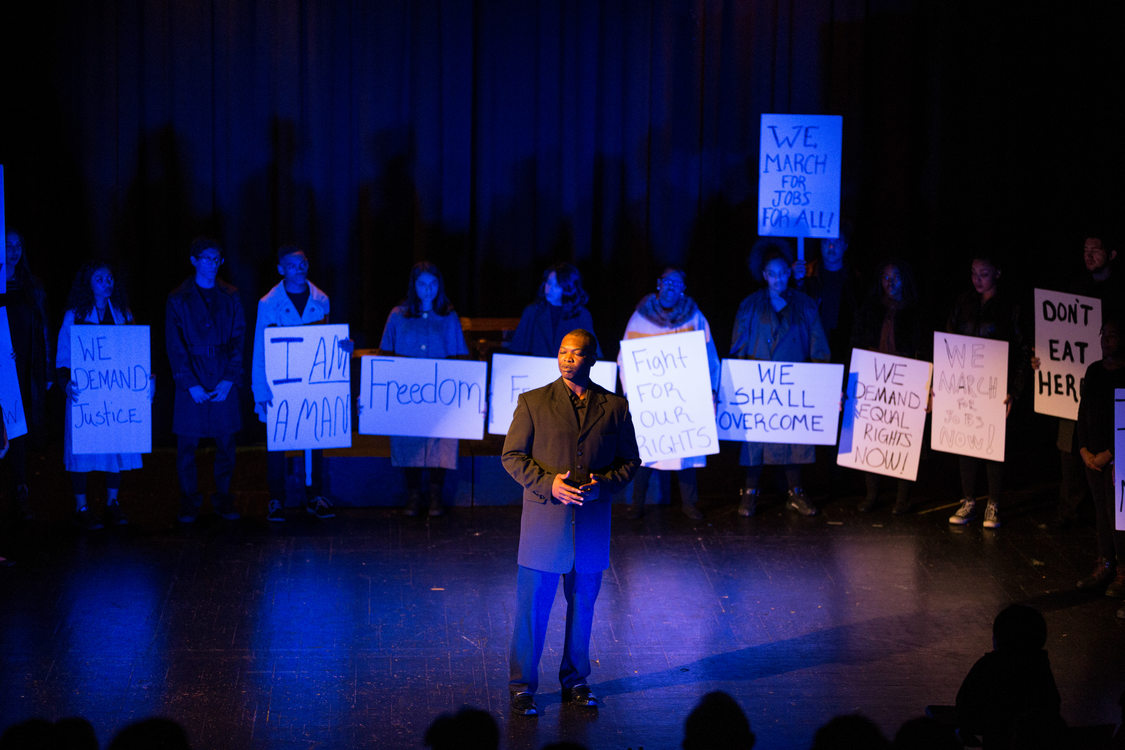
(4, 234)
(1066, 342)
(411, 396)
(970, 385)
(110, 368)
(761, 401)
(799, 175)
(884, 414)
(512, 374)
(309, 376)
(670, 395)
(10, 399)
(1119, 465)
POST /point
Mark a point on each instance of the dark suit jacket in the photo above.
(545, 440)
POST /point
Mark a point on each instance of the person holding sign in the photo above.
(560, 307)
(204, 330)
(95, 299)
(985, 311)
(571, 446)
(424, 325)
(26, 305)
(782, 324)
(294, 301)
(889, 323)
(671, 310)
(1095, 446)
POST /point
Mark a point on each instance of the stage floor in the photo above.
(356, 632)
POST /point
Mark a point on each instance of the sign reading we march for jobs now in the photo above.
(970, 387)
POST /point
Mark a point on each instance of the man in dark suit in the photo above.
(571, 446)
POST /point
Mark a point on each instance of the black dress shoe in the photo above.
(580, 696)
(523, 704)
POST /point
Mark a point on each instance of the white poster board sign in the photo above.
(1066, 342)
(970, 385)
(762, 401)
(799, 175)
(10, 400)
(411, 396)
(110, 367)
(884, 414)
(4, 234)
(670, 395)
(512, 374)
(310, 377)
(1119, 462)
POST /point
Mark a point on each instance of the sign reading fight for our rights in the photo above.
(762, 401)
(799, 175)
(309, 376)
(110, 369)
(970, 387)
(512, 374)
(670, 395)
(884, 414)
(410, 396)
(10, 400)
(1066, 342)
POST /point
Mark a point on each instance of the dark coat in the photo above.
(545, 440)
(998, 319)
(205, 347)
(538, 336)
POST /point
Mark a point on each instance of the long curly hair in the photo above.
(413, 305)
(574, 297)
(81, 298)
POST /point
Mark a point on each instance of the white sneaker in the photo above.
(965, 513)
(991, 516)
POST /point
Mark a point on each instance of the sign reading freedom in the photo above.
(415, 397)
(110, 368)
(513, 374)
(309, 376)
(799, 175)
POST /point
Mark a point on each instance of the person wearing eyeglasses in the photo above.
(294, 301)
(205, 329)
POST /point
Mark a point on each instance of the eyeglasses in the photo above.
(211, 260)
(295, 265)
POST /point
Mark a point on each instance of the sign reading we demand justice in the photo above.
(884, 414)
(1066, 342)
(110, 368)
(670, 395)
(415, 397)
(970, 387)
(799, 175)
(762, 401)
(310, 378)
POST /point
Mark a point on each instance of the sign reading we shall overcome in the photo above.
(884, 414)
(799, 175)
(970, 387)
(513, 374)
(670, 395)
(762, 401)
(415, 397)
(309, 376)
(110, 367)
(1066, 342)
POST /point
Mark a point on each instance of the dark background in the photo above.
(498, 137)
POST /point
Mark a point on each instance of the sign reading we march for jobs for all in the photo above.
(513, 374)
(309, 376)
(970, 387)
(762, 401)
(110, 367)
(1066, 342)
(799, 175)
(884, 414)
(416, 397)
(670, 395)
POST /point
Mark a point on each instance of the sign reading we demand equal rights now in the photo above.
(110, 369)
(884, 414)
(310, 378)
(1067, 327)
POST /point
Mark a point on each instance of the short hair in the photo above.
(590, 338)
(285, 250)
(717, 721)
(201, 244)
(574, 297)
(1019, 627)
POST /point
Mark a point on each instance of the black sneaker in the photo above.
(114, 516)
(523, 704)
(86, 520)
(273, 512)
(320, 506)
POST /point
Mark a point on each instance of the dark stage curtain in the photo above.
(497, 137)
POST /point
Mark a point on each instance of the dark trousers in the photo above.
(189, 475)
(689, 488)
(1111, 543)
(993, 469)
(535, 593)
(279, 468)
